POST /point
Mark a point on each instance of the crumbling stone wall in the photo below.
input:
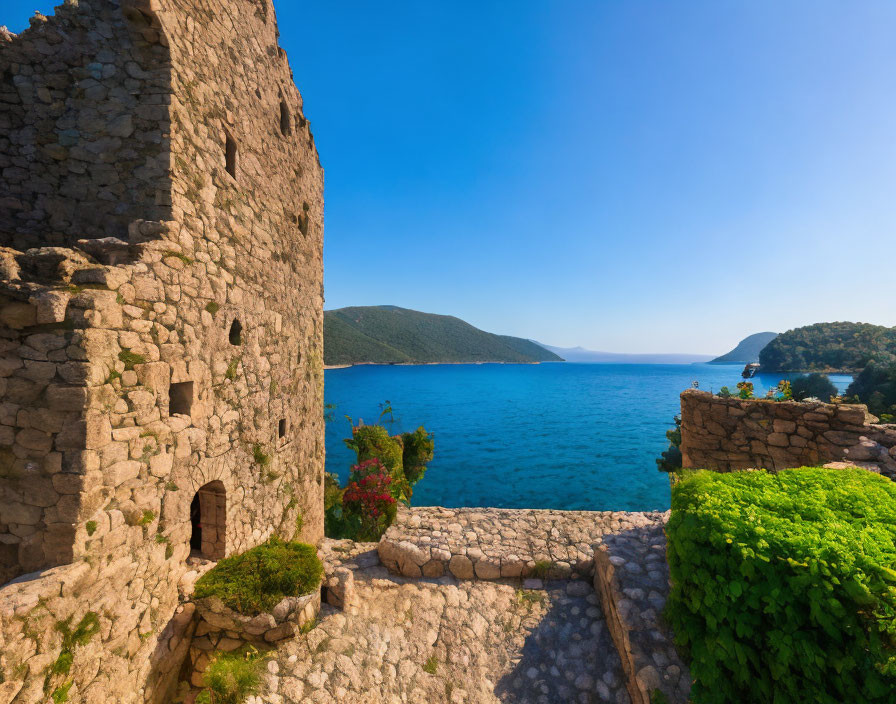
(84, 134)
(726, 434)
(184, 353)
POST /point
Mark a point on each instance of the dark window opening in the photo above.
(236, 333)
(304, 219)
(180, 398)
(230, 153)
(281, 428)
(285, 119)
(208, 512)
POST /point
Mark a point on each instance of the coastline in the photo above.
(420, 364)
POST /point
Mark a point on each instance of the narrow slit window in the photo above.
(230, 155)
(180, 398)
(285, 119)
(281, 428)
(236, 333)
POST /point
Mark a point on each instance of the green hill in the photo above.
(831, 347)
(747, 350)
(390, 335)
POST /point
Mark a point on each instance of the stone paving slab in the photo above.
(444, 640)
(492, 544)
(632, 579)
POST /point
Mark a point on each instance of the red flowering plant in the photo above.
(367, 503)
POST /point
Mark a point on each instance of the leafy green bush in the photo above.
(814, 385)
(231, 677)
(418, 449)
(876, 387)
(257, 580)
(784, 589)
(671, 459)
(387, 469)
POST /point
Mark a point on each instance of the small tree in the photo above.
(813, 385)
(671, 458)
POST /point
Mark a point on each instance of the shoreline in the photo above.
(423, 364)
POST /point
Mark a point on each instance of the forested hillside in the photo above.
(392, 335)
(841, 346)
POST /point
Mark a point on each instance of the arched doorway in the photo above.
(208, 512)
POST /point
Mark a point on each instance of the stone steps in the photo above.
(623, 554)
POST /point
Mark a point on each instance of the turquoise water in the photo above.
(560, 436)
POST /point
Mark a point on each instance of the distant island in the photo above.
(393, 335)
(830, 347)
(580, 354)
(747, 350)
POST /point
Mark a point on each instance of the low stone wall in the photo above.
(491, 544)
(631, 577)
(84, 633)
(727, 434)
(221, 629)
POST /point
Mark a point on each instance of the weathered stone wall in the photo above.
(133, 373)
(726, 434)
(84, 134)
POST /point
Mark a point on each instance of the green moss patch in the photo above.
(784, 585)
(258, 579)
(131, 359)
(232, 677)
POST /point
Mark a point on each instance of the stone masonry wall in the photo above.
(84, 146)
(726, 434)
(185, 353)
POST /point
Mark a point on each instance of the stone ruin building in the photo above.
(161, 365)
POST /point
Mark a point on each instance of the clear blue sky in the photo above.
(637, 176)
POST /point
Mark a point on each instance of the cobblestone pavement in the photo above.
(428, 641)
(490, 544)
(632, 582)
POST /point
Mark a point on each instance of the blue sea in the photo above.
(557, 435)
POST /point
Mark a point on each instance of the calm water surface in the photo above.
(560, 436)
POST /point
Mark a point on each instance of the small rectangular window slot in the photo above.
(230, 154)
(180, 398)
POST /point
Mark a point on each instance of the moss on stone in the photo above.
(257, 580)
(131, 359)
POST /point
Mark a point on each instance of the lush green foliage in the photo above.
(387, 469)
(417, 452)
(257, 580)
(744, 389)
(368, 506)
(876, 387)
(815, 385)
(670, 460)
(784, 589)
(829, 346)
(391, 335)
(747, 350)
(232, 677)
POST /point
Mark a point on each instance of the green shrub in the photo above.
(257, 580)
(671, 459)
(374, 442)
(131, 359)
(813, 386)
(231, 677)
(417, 452)
(876, 387)
(784, 589)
